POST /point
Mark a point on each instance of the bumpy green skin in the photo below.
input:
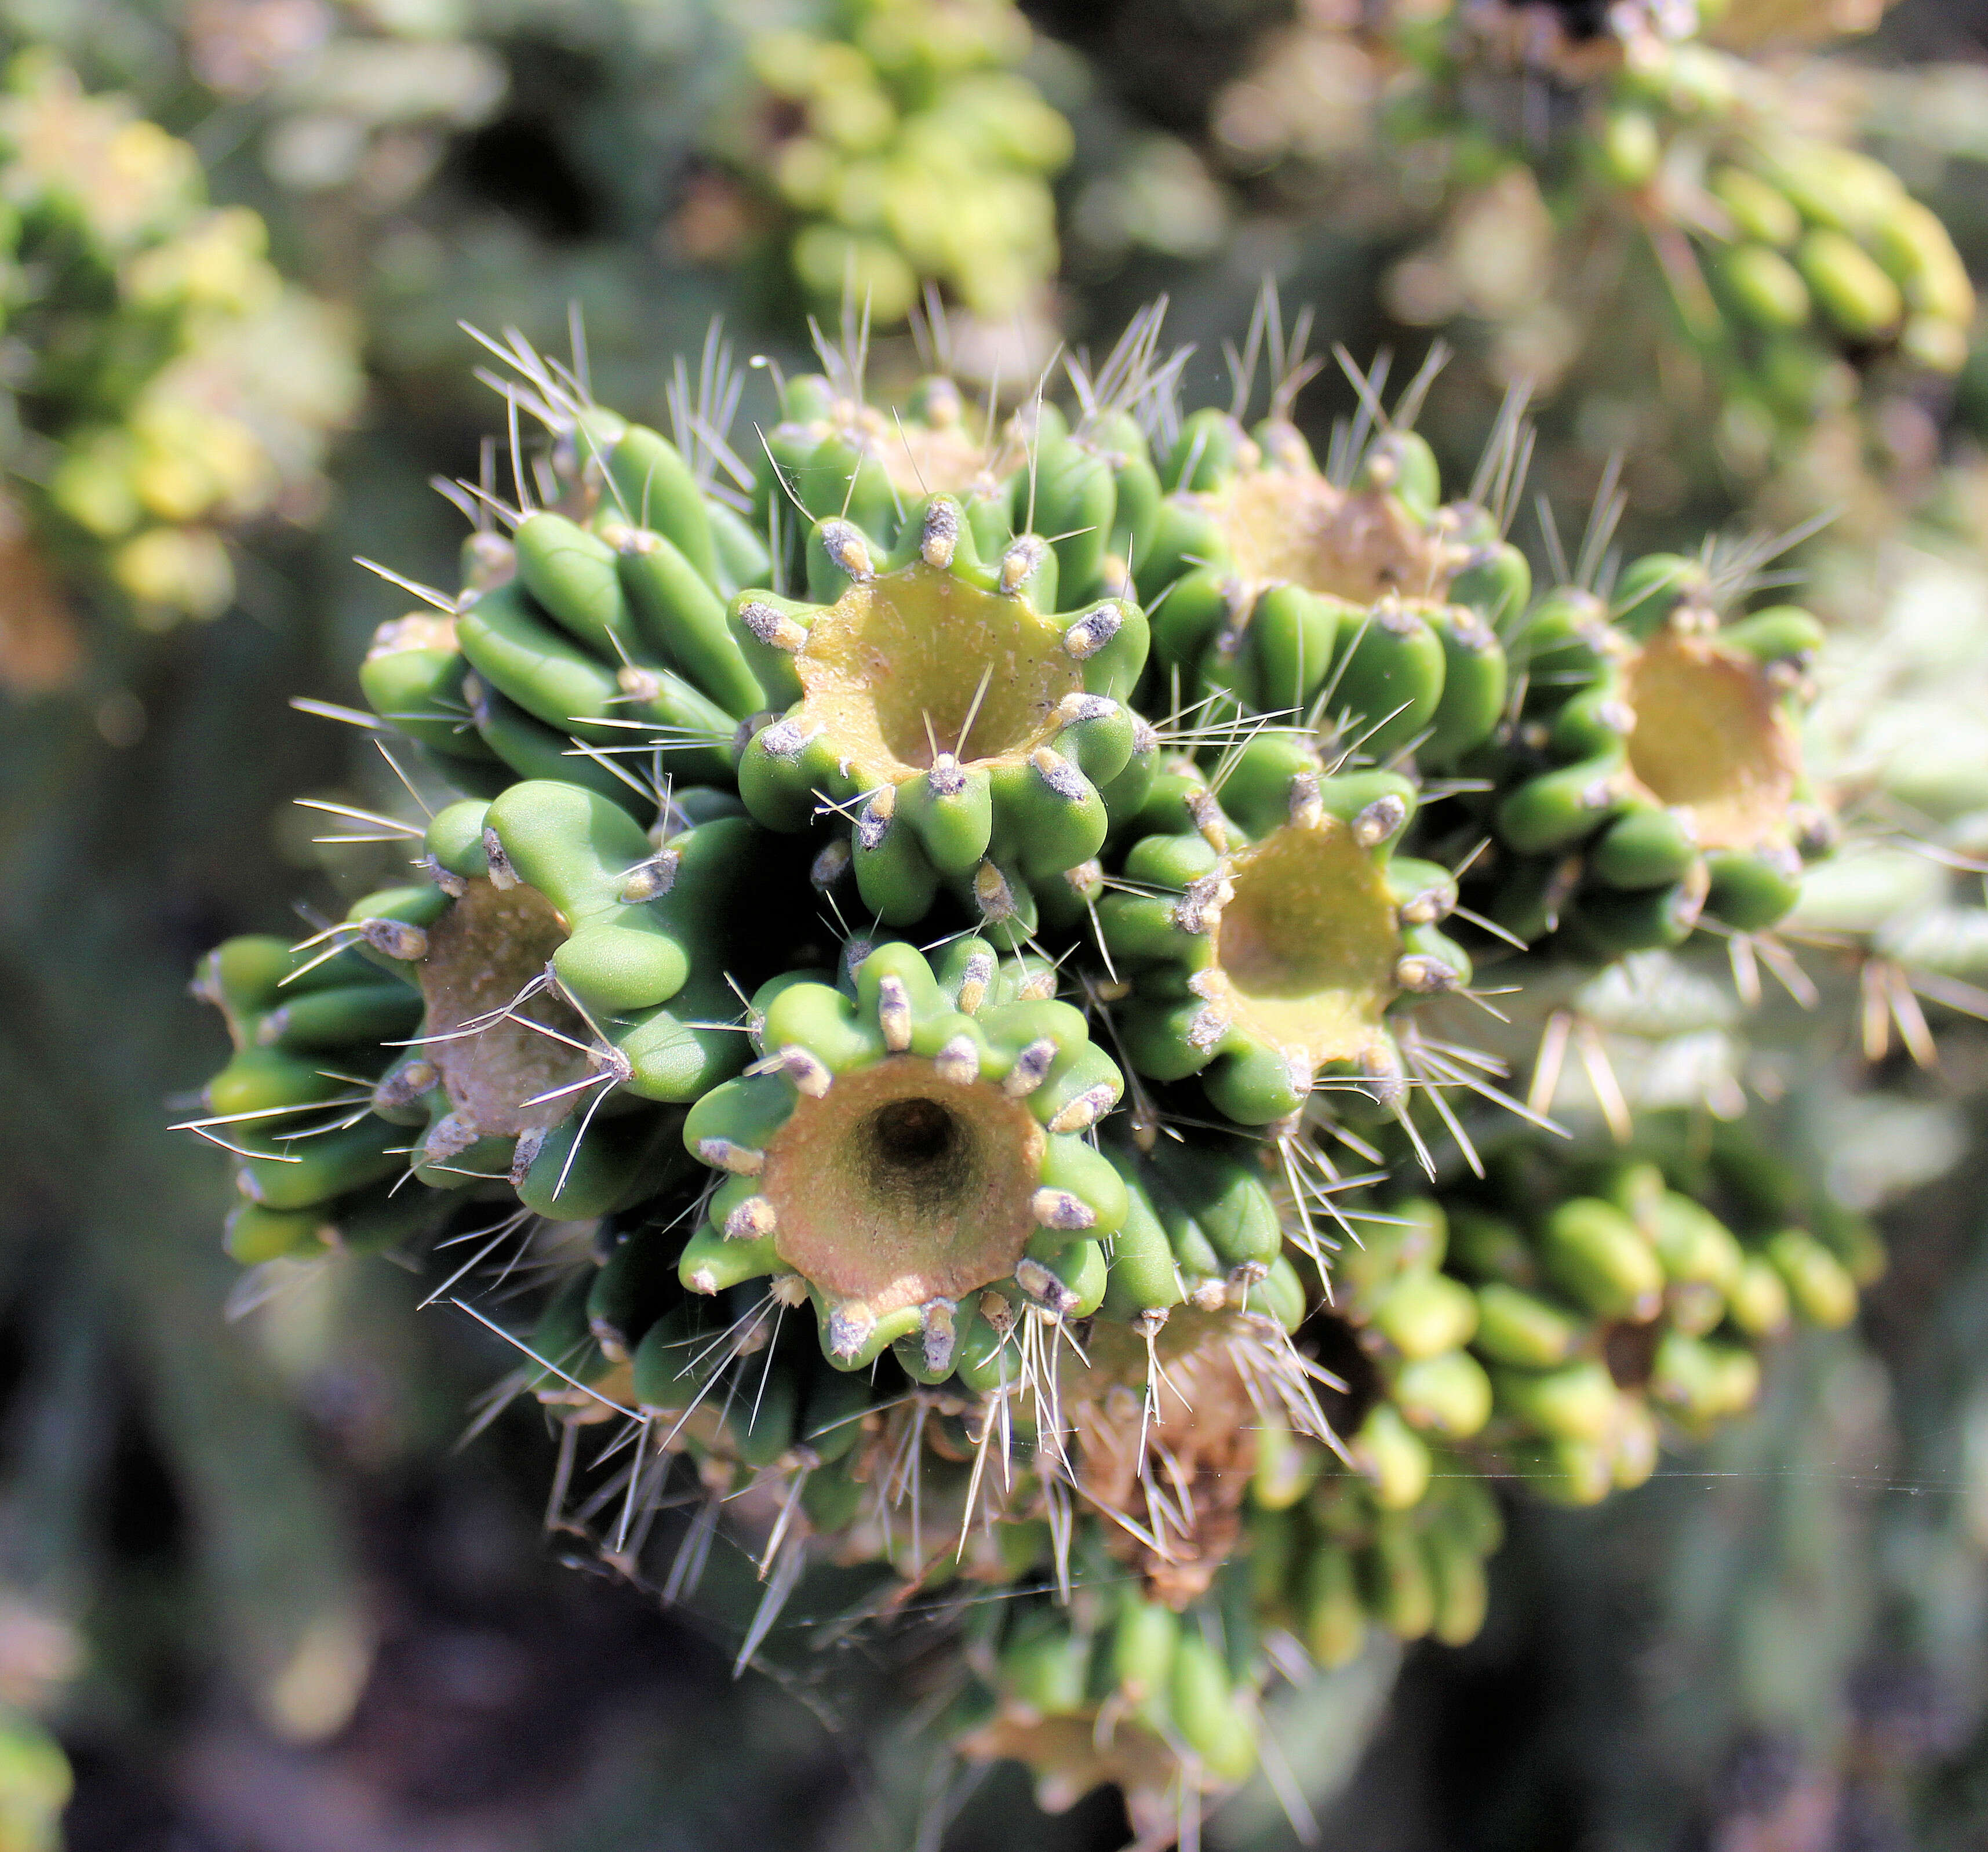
(830, 459)
(599, 631)
(643, 962)
(1166, 940)
(951, 1027)
(1092, 487)
(1201, 1228)
(1418, 667)
(1330, 1559)
(1121, 1688)
(1591, 853)
(624, 1331)
(320, 1166)
(1412, 1321)
(1096, 487)
(1014, 834)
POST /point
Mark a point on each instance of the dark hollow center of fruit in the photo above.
(895, 1187)
(916, 1153)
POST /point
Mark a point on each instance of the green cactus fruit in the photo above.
(632, 928)
(562, 970)
(975, 732)
(1625, 1298)
(1664, 747)
(904, 1150)
(1265, 950)
(1362, 608)
(1348, 1563)
(896, 148)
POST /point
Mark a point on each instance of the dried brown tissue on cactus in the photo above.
(904, 672)
(1712, 736)
(508, 1073)
(896, 1188)
(1181, 1413)
(1305, 949)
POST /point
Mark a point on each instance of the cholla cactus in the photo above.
(177, 388)
(1063, 1320)
(899, 148)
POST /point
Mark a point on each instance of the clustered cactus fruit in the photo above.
(1046, 1151)
(899, 149)
(175, 387)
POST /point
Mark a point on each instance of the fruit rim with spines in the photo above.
(976, 733)
(552, 879)
(1260, 962)
(900, 1151)
(1284, 521)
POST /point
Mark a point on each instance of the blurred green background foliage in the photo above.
(250, 1577)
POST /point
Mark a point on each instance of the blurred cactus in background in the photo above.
(169, 387)
(899, 148)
